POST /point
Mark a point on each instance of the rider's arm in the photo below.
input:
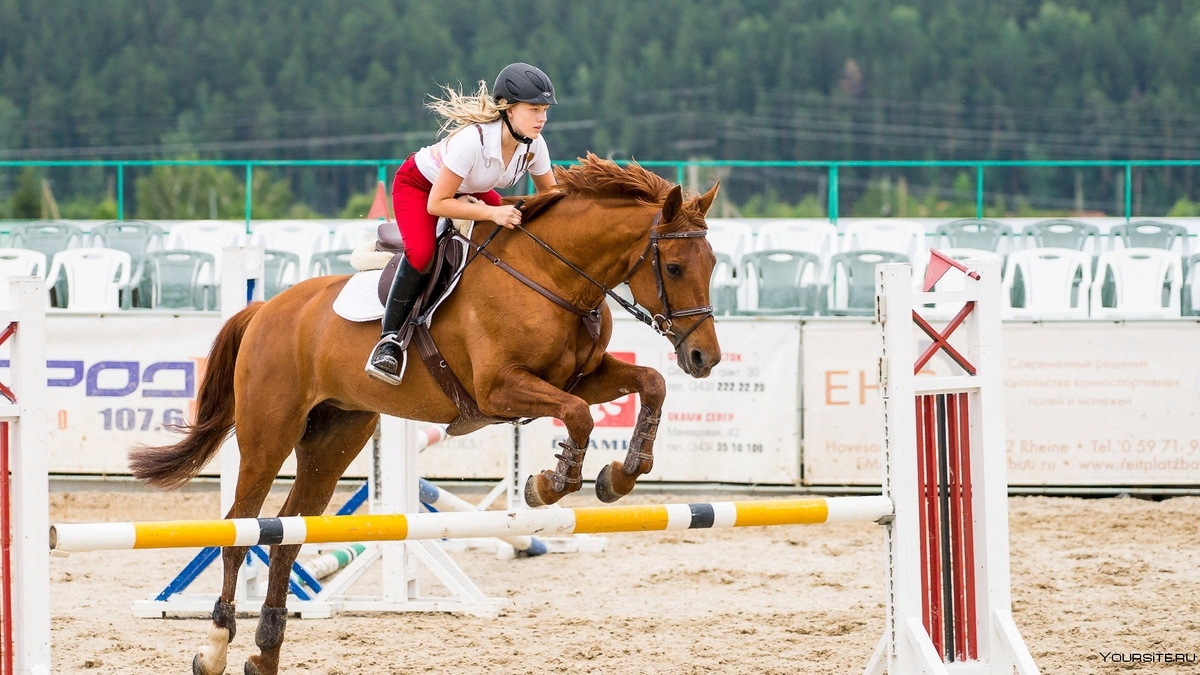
(442, 203)
(543, 182)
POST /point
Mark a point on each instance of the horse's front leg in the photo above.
(519, 393)
(612, 380)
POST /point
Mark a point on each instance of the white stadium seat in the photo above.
(206, 236)
(302, 237)
(1056, 283)
(889, 234)
(732, 237)
(1146, 283)
(95, 277)
(20, 262)
(730, 240)
(349, 235)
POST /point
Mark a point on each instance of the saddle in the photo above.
(451, 255)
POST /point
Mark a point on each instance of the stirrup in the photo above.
(385, 377)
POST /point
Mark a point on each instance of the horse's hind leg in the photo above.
(612, 380)
(254, 482)
(333, 439)
(265, 441)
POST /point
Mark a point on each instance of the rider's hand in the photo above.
(506, 216)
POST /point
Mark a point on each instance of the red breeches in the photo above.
(410, 199)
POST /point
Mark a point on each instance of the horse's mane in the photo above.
(596, 178)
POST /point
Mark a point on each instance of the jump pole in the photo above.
(390, 439)
(397, 527)
(25, 592)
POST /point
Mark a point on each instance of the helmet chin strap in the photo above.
(520, 139)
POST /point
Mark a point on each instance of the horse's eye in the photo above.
(674, 269)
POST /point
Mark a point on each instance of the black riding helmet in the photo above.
(527, 84)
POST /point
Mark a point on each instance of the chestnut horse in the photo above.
(288, 374)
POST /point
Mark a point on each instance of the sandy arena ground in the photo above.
(1089, 576)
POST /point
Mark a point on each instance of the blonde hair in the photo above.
(459, 110)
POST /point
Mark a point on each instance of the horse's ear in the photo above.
(705, 201)
(673, 204)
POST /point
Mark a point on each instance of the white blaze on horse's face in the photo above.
(528, 119)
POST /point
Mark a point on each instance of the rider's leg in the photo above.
(406, 286)
(417, 227)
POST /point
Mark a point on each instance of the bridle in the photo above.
(661, 323)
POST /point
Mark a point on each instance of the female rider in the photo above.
(493, 140)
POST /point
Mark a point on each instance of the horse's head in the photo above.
(672, 280)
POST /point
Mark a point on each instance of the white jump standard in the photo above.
(24, 566)
(948, 603)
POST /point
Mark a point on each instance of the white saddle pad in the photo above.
(359, 299)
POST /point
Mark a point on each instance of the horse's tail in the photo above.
(170, 466)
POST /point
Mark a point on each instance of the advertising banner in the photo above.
(739, 425)
(117, 382)
(1086, 403)
(1103, 403)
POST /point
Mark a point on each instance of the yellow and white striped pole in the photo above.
(70, 538)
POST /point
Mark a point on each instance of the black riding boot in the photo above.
(406, 286)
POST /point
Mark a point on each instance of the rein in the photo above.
(661, 323)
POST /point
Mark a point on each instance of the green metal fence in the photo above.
(679, 166)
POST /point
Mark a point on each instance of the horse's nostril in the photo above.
(697, 358)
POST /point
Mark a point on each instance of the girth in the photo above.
(470, 417)
(592, 318)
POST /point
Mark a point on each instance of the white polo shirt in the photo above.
(474, 153)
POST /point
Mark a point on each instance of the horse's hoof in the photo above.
(604, 486)
(532, 498)
(539, 490)
(198, 667)
(251, 669)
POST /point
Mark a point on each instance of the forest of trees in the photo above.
(661, 80)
